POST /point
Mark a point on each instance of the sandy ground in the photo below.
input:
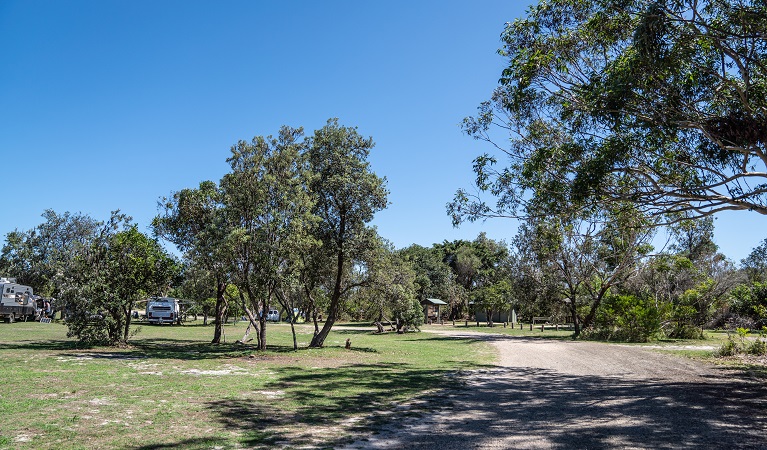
(565, 394)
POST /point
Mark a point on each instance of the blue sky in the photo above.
(112, 104)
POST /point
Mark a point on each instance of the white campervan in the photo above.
(17, 301)
(163, 310)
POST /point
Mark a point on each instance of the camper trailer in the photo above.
(161, 310)
(17, 301)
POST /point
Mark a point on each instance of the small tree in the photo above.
(195, 221)
(108, 277)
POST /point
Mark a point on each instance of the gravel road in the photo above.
(565, 394)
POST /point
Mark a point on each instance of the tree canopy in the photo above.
(661, 103)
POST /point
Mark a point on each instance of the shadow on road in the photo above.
(533, 408)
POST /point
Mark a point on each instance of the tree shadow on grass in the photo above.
(198, 443)
(326, 398)
(495, 407)
(51, 345)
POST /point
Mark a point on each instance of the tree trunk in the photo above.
(127, 322)
(253, 323)
(319, 339)
(594, 306)
(288, 305)
(221, 307)
(574, 314)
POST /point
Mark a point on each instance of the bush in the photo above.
(626, 318)
(686, 331)
(757, 347)
(750, 302)
(729, 348)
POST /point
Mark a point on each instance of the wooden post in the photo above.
(541, 328)
(531, 326)
(504, 324)
(466, 324)
(557, 327)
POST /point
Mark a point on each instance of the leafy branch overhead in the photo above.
(659, 103)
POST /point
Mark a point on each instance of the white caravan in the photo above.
(163, 310)
(17, 301)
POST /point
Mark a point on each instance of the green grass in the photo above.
(498, 328)
(172, 388)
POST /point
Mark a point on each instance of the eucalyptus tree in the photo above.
(195, 221)
(38, 257)
(590, 255)
(694, 238)
(108, 276)
(434, 279)
(347, 194)
(268, 203)
(755, 264)
(390, 288)
(655, 102)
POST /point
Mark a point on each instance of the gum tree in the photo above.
(657, 103)
(194, 220)
(347, 194)
(268, 202)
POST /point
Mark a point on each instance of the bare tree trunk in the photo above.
(319, 339)
(221, 307)
(127, 322)
(312, 308)
(288, 305)
(252, 319)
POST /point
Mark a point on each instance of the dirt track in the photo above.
(565, 394)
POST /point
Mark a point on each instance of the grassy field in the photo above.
(172, 388)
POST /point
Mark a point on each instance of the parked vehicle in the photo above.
(161, 310)
(273, 315)
(17, 302)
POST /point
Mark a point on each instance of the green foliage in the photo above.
(749, 302)
(39, 256)
(411, 316)
(269, 207)
(733, 346)
(627, 318)
(614, 101)
(492, 297)
(347, 194)
(106, 279)
(694, 238)
(196, 222)
(755, 264)
(389, 287)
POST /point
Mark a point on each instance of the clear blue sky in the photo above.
(112, 104)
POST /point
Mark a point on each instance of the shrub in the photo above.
(686, 331)
(627, 318)
(729, 348)
(750, 301)
(742, 345)
(757, 347)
